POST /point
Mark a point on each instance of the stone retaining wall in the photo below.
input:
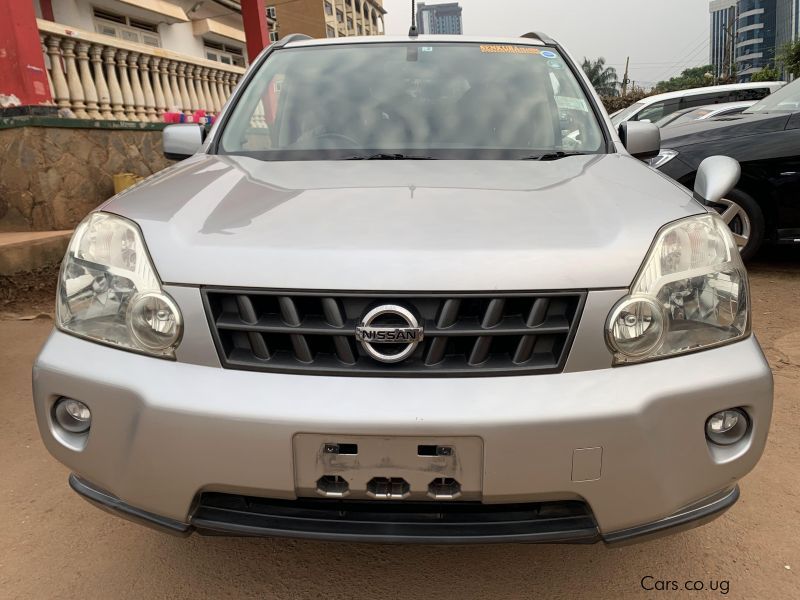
(52, 176)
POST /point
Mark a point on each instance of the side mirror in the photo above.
(181, 141)
(716, 176)
(642, 140)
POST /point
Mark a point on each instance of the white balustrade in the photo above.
(100, 77)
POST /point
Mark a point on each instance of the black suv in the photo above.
(765, 139)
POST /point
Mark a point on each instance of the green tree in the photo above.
(603, 78)
(769, 73)
(789, 58)
(690, 78)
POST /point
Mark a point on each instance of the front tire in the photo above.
(746, 221)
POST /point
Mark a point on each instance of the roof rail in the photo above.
(538, 35)
(292, 37)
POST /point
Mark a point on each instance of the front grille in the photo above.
(385, 521)
(464, 334)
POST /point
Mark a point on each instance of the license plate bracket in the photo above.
(388, 467)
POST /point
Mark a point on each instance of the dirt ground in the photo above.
(55, 545)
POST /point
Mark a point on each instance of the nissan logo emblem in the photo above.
(389, 324)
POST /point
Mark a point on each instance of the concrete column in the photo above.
(128, 101)
(87, 82)
(136, 86)
(101, 87)
(22, 69)
(114, 89)
(186, 99)
(256, 28)
(147, 88)
(60, 88)
(158, 89)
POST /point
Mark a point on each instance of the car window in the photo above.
(623, 115)
(435, 100)
(786, 99)
(704, 99)
(658, 110)
(748, 94)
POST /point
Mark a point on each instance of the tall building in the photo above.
(723, 36)
(439, 18)
(748, 35)
(755, 36)
(787, 17)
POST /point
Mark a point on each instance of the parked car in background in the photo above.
(687, 115)
(765, 139)
(654, 108)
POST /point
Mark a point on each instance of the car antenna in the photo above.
(413, 31)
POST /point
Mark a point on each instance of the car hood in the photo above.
(721, 128)
(579, 222)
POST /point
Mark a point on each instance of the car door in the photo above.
(784, 174)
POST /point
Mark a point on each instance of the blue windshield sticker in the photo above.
(549, 54)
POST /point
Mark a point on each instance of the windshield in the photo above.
(412, 100)
(786, 99)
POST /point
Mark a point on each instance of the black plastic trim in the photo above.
(688, 518)
(577, 528)
(396, 522)
(417, 369)
(114, 505)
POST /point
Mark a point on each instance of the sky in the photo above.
(661, 37)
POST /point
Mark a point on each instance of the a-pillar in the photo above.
(22, 70)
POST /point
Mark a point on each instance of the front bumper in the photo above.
(164, 433)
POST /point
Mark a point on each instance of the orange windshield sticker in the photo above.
(509, 50)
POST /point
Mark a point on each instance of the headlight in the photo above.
(662, 158)
(108, 290)
(691, 293)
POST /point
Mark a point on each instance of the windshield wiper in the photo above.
(554, 155)
(383, 156)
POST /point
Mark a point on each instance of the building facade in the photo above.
(723, 37)
(211, 29)
(344, 18)
(153, 60)
(787, 17)
(748, 35)
(755, 37)
(442, 19)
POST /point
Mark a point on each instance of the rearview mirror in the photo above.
(716, 176)
(182, 141)
(642, 140)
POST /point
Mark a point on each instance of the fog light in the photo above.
(727, 427)
(72, 415)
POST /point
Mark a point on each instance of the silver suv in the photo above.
(413, 290)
